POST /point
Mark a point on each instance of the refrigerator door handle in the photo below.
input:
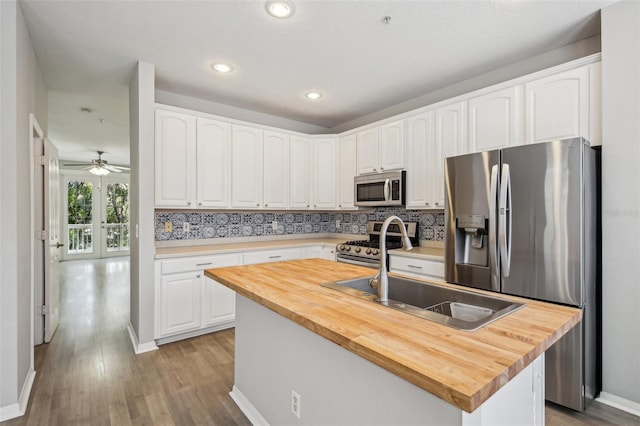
(493, 222)
(505, 215)
(387, 189)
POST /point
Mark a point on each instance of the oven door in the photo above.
(359, 261)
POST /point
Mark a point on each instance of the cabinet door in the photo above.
(246, 166)
(450, 137)
(420, 154)
(300, 169)
(218, 301)
(212, 163)
(324, 173)
(329, 253)
(180, 302)
(175, 142)
(495, 120)
(347, 171)
(275, 190)
(367, 151)
(391, 146)
(557, 107)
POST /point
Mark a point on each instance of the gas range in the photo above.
(367, 252)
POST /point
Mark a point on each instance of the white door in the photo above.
(495, 120)
(420, 160)
(246, 167)
(81, 199)
(450, 137)
(347, 171)
(300, 165)
(391, 152)
(324, 173)
(52, 254)
(212, 163)
(367, 151)
(275, 181)
(114, 216)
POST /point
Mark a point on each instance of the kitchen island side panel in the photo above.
(275, 356)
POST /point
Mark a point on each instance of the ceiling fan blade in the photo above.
(112, 169)
(77, 164)
(121, 167)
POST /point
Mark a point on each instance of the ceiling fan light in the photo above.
(99, 171)
(280, 8)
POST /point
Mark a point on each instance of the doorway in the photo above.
(96, 213)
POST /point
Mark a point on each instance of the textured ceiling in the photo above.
(87, 51)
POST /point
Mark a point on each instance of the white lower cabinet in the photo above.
(187, 301)
(325, 251)
(421, 268)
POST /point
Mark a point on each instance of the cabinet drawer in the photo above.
(200, 263)
(265, 256)
(419, 267)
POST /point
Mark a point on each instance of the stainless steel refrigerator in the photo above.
(524, 221)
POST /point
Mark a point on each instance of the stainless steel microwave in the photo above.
(380, 189)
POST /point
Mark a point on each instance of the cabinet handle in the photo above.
(307, 205)
(275, 257)
(266, 205)
(426, 203)
(339, 205)
(381, 168)
(199, 204)
(258, 205)
(204, 264)
(188, 203)
(198, 276)
(375, 170)
(315, 205)
(414, 266)
(437, 204)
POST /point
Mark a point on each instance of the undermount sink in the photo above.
(460, 309)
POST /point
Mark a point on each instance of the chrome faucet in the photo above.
(381, 280)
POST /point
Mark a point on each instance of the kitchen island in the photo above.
(352, 361)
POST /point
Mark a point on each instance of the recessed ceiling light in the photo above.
(313, 95)
(223, 68)
(280, 8)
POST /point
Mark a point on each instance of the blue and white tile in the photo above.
(162, 236)
(280, 230)
(355, 228)
(209, 231)
(298, 228)
(258, 218)
(246, 230)
(440, 219)
(246, 218)
(222, 219)
(222, 231)
(299, 217)
(195, 218)
(235, 218)
(177, 233)
(346, 218)
(258, 229)
(330, 227)
(208, 218)
(279, 217)
(289, 228)
(316, 218)
(289, 218)
(362, 218)
(178, 219)
(269, 217)
(235, 231)
(427, 219)
(325, 217)
(439, 233)
(427, 233)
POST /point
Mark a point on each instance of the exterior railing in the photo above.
(81, 238)
(117, 235)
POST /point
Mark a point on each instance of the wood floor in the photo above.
(89, 375)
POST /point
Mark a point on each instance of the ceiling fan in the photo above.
(99, 166)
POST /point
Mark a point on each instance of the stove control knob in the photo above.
(357, 249)
(375, 252)
(347, 248)
(341, 247)
(368, 251)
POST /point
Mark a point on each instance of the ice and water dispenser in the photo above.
(472, 244)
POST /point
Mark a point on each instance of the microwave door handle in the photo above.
(387, 189)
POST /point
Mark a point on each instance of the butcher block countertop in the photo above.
(431, 253)
(462, 368)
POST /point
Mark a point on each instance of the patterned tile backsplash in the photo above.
(230, 224)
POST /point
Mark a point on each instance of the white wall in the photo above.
(23, 92)
(141, 208)
(621, 202)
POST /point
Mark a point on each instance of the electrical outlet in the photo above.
(186, 227)
(274, 224)
(168, 226)
(295, 403)
(337, 223)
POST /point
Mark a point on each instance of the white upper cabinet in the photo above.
(391, 146)
(213, 163)
(495, 120)
(175, 143)
(557, 107)
(450, 141)
(324, 173)
(367, 151)
(381, 148)
(346, 171)
(300, 172)
(275, 190)
(420, 160)
(246, 166)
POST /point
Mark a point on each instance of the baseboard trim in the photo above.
(19, 408)
(137, 347)
(247, 408)
(620, 403)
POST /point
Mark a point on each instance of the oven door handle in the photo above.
(374, 265)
